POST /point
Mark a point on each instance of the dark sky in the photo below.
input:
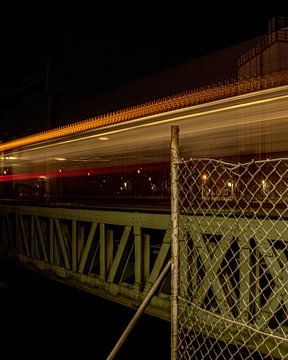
(111, 44)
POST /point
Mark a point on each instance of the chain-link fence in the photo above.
(232, 296)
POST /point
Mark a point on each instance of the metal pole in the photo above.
(140, 310)
(174, 158)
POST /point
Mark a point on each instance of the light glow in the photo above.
(147, 110)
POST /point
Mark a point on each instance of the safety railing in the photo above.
(231, 292)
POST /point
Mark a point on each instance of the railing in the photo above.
(232, 294)
(116, 255)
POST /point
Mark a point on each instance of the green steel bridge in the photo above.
(113, 254)
(120, 254)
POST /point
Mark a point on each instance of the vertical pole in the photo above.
(174, 158)
(74, 245)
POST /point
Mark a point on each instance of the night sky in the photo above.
(115, 43)
(93, 47)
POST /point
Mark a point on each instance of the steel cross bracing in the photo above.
(116, 255)
(119, 256)
(217, 256)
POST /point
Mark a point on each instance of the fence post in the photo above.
(174, 158)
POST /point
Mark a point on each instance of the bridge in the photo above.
(115, 243)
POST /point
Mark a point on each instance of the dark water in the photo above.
(43, 319)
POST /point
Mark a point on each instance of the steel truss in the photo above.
(115, 255)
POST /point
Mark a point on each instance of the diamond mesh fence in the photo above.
(233, 260)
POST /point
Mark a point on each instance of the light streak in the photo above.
(165, 121)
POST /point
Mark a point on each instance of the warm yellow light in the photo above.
(179, 101)
(103, 138)
(10, 158)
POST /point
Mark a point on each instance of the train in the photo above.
(123, 160)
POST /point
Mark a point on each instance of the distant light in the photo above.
(204, 177)
(5, 172)
(60, 158)
(88, 174)
(60, 170)
(103, 138)
(10, 158)
(229, 184)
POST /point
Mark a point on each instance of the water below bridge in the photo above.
(43, 319)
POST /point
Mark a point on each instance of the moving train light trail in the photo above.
(60, 173)
(253, 125)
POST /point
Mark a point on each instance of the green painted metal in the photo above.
(246, 305)
(119, 256)
(115, 255)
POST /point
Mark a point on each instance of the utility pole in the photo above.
(52, 91)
